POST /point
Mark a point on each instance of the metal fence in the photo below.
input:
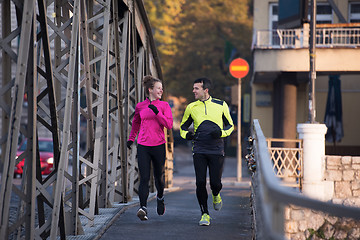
(299, 38)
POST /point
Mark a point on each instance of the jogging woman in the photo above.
(151, 116)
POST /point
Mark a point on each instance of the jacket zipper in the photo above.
(205, 108)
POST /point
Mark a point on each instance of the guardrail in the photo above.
(298, 38)
(269, 197)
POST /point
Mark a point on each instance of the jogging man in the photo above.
(212, 122)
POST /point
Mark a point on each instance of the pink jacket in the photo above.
(149, 125)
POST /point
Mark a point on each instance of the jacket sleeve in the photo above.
(227, 120)
(166, 118)
(185, 122)
(135, 124)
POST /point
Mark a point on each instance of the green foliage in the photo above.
(191, 37)
(164, 16)
(318, 233)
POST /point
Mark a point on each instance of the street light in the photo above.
(312, 48)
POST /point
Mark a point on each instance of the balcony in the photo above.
(286, 50)
(298, 38)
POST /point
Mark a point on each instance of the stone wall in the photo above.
(344, 173)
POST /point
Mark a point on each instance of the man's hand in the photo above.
(190, 136)
(155, 110)
(216, 134)
(129, 143)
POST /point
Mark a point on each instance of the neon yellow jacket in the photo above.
(211, 115)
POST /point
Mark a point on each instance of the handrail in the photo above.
(273, 195)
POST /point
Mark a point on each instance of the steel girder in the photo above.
(80, 64)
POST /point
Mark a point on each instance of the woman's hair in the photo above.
(149, 82)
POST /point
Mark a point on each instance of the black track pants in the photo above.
(216, 166)
(146, 155)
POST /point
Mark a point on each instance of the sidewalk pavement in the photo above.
(182, 214)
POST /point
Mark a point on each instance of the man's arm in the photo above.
(228, 122)
(185, 124)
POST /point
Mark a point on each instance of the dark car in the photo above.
(46, 150)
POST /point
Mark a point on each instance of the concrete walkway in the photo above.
(182, 210)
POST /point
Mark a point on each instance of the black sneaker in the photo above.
(160, 206)
(142, 213)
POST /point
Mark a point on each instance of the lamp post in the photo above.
(312, 48)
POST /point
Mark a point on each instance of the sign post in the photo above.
(239, 68)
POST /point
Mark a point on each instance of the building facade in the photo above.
(281, 65)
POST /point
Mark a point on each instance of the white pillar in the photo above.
(313, 136)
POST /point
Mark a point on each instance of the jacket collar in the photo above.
(207, 100)
(148, 100)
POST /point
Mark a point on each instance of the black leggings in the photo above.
(216, 166)
(146, 155)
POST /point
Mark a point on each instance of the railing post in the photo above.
(306, 32)
(298, 38)
(314, 186)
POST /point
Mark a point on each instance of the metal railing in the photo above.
(287, 159)
(298, 38)
(269, 197)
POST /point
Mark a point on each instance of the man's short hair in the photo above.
(205, 81)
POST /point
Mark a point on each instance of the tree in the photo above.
(192, 38)
(163, 16)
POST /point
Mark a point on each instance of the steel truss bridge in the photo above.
(80, 65)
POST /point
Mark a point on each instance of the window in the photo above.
(354, 12)
(273, 15)
(324, 13)
(273, 23)
(281, 37)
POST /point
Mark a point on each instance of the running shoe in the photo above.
(205, 220)
(160, 206)
(142, 213)
(217, 202)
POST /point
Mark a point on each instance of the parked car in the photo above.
(46, 150)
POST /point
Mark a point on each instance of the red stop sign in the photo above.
(239, 68)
